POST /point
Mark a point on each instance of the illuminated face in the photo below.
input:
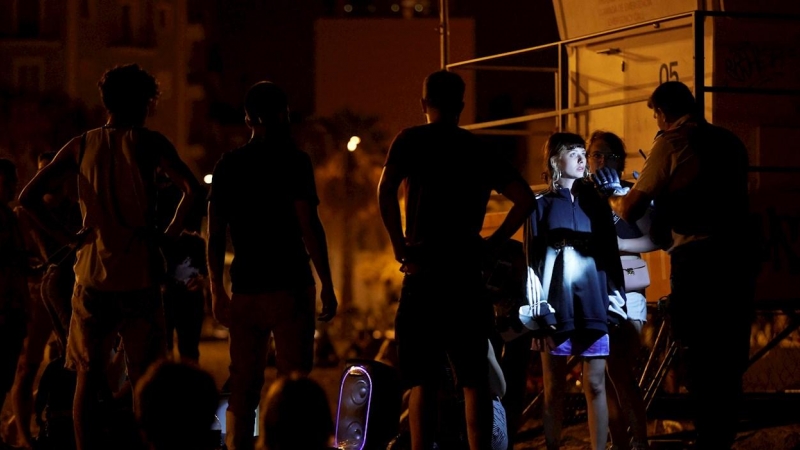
(572, 163)
(601, 155)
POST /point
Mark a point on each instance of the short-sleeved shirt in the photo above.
(696, 173)
(254, 189)
(117, 196)
(450, 175)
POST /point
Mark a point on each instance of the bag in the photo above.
(635, 273)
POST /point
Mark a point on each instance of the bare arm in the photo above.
(497, 381)
(524, 202)
(317, 246)
(641, 244)
(390, 210)
(630, 207)
(215, 259)
(180, 174)
(32, 196)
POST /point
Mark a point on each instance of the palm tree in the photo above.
(347, 173)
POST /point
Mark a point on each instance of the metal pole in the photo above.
(698, 35)
(444, 34)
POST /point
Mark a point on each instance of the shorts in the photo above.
(636, 306)
(499, 426)
(441, 318)
(288, 316)
(98, 317)
(583, 344)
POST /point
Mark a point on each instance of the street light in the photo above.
(352, 144)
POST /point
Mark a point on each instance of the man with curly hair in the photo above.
(119, 267)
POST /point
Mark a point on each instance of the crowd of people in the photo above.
(104, 253)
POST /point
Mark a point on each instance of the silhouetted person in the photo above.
(297, 415)
(39, 326)
(176, 403)
(444, 310)
(184, 288)
(696, 176)
(14, 294)
(264, 193)
(118, 268)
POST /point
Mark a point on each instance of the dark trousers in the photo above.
(184, 312)
(711, 312)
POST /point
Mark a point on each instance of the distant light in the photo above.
(371, 8)
(395, 8)
(352, 144)
(418, 7)
(348, 8)
(207, 178)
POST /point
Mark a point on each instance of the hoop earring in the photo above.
(555, 174)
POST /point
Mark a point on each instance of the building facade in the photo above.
(64, 46)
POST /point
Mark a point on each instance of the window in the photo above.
(29, 74)
(28, 18)
(126, 26)
(85, 9)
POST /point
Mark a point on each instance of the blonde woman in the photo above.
(572, 249)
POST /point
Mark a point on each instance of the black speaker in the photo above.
(370, 402)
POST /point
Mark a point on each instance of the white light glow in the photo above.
(353, 143)
(207, 179)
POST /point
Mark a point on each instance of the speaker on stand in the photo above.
(370, 401)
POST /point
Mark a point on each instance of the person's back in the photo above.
(118, 200)
(265, 195)
(449, 176)
(709, 156)
(118, 266)
(696, 178)
(269, 253)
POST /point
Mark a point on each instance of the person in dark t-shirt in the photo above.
(264, 194)
(444, 308)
